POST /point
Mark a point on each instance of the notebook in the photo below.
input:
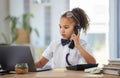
(12, 55)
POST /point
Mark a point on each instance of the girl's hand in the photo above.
(76, 38)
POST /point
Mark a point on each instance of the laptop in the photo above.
(12, 55)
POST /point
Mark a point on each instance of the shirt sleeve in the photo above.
(48, 53)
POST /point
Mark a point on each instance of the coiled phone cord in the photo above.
(67, 58)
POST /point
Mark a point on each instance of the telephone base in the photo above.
(81, 66)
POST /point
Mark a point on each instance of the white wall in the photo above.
(9, 7)
(16, 7)
(4, 4)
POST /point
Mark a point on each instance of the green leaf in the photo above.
(36, 31)
(21, 66)
(5, 38)
(14, 38)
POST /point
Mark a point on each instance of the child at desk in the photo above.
(70, 49)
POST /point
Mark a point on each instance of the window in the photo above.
(113, 41)
(47, 25)
(97, 36)
(118, 28)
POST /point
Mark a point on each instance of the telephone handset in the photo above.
(72, 45)
(76, 32)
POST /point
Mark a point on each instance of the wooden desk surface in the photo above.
(58, 74)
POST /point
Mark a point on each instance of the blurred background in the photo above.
(43, 17)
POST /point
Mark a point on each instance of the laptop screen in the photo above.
(12, 55)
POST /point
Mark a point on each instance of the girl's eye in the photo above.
(66, 27)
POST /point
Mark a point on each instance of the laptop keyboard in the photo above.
(46, 68)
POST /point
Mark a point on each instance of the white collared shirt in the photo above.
(57, 53)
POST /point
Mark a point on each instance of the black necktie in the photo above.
(64, 42)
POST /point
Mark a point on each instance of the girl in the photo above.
(60, 51)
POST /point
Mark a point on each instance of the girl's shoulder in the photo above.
(58, 41)
(55, 42)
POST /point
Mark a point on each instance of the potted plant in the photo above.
(13, 26)
(25, 31)
(21, 35)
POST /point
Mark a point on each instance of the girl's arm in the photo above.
(41, 62)
(89, 58)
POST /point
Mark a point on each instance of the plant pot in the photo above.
(21, 68)
(23, 36)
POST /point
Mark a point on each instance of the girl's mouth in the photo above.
(63, 35)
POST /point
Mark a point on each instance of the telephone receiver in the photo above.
(71, 45)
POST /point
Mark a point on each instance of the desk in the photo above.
(58, 74)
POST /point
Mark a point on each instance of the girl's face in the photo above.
(66, 27)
